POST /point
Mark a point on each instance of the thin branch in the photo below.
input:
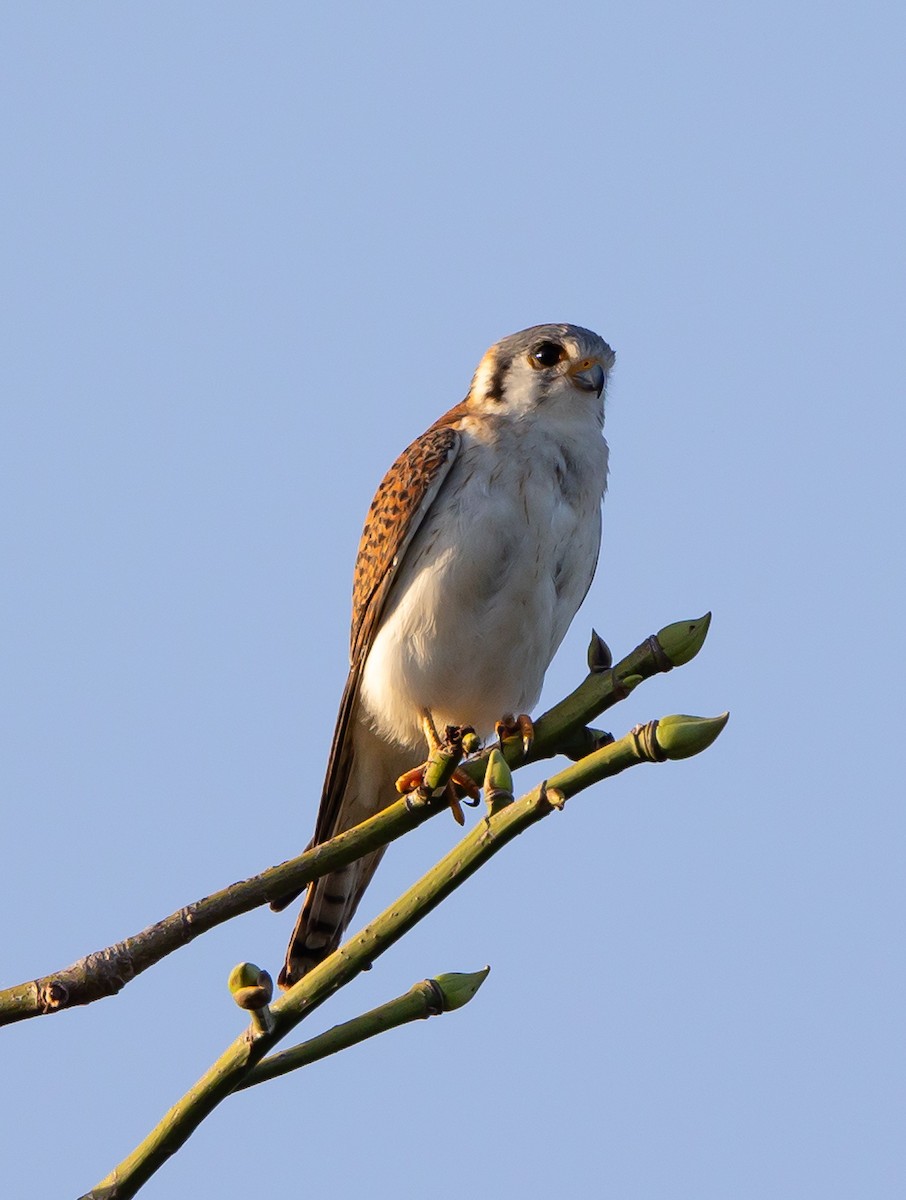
(560, 730)
(654, 742)
(429, 998)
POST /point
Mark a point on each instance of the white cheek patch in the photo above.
(484, 374)
(523, 388)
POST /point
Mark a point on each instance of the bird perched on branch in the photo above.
(478, 549)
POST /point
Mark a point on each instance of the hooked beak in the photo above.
(588, 376)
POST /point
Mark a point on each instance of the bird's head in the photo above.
(558, 368)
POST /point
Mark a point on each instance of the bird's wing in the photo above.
(397, 511)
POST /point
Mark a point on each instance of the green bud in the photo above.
(681, 736)
(244, 974)
(250, 987)
(471, 742)
(683, 640)
(599, 656)
(458, 989)
(498, 777)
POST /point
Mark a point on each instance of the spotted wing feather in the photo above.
(404, 497)
(399, 506)
(406, 493)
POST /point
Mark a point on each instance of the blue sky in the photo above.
(250, 253)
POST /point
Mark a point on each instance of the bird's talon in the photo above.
(522, 727)
(455, 807)
(409, 781)
(466, 785)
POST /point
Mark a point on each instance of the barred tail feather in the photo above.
(329, 906)
(360, 782)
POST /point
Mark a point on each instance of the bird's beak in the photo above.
(588, 375)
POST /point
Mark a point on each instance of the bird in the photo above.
(479, 546)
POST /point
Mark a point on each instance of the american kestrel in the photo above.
(478, 549)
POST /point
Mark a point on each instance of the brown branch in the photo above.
(106, 972)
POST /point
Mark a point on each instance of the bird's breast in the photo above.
(489, 584)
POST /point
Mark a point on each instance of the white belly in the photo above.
(488, 587)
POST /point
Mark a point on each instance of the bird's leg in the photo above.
(522, 726)
(413, 779)
(459, 783)
(429, 729)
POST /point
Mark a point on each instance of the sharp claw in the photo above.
(455, 807)
(521, 727)
(467, 784)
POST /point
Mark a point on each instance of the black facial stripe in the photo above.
(498, 379)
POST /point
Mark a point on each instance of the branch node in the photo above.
(658, 654)
(550, 798)
(53, 995)
(555, 798)
(436, 1001)
(644, 739)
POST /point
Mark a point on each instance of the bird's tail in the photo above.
(329, 906)
(359, 783)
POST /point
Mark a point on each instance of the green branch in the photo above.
(674, 737)
(429, 998)
(560, 730)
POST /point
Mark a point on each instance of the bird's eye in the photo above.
(548, 354)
